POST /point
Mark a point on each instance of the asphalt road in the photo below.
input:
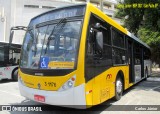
(143, 93)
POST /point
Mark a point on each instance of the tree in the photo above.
(144, 22)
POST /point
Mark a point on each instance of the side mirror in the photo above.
(97, 25)
(11, 37)
(123, 58)
(99, 40)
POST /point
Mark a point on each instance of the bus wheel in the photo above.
(15, 75)
(118, 89)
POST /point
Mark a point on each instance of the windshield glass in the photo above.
(51, 46)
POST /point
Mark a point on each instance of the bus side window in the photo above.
(90, 42)
(119, 49)
(137, 54)
(1, 53)
(98, 56)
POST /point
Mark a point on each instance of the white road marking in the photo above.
(155, 88)
(10, 93)
(129, 102)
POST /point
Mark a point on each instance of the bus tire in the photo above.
(146, 73)
(15, 75)
(118, 88)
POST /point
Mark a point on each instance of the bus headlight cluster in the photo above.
(69, 84)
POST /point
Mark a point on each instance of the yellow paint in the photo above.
(89, 96)
(33, 81)
(103, 88)
(54, 64)
(131, 84)
(104, 94)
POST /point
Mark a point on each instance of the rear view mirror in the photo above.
(123, 58)
(97, 25)
(11, 37)
(99, 40)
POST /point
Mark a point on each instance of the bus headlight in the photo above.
(69, 84)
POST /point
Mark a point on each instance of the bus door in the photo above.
(142, 63)
(2, 57)
(131, 62)
(138, 64)
(98, 58)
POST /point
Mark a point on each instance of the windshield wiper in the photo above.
(50, 36)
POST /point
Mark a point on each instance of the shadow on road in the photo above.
(151, 84)
(6, 81)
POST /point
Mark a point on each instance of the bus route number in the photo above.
(50, 84)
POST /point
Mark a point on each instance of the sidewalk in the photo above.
(155, 72)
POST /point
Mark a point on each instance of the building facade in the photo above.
(19, 13)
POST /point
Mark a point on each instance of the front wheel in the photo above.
(15, 75)
(118, 89)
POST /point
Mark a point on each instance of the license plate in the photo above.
(39, 98)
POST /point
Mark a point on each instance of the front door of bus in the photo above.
(131, 62)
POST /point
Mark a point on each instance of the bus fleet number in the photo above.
(51, 84)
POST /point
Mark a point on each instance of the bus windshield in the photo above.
(51, 46)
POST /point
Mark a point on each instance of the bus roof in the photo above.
(137, 39)
(122, 29)
(82, 4)
(113, 22)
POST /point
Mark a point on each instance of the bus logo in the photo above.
(7, 68)
(109, 76)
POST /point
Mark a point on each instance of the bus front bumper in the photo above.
(74, 97)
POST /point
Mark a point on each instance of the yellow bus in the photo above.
(78, 56)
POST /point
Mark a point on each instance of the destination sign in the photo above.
(58, 14)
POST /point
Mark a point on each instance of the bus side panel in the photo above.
(96, 90)
(104, 84)
(6, 72)
(89, 93)
(110, 78)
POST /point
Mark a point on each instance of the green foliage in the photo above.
(144, 23)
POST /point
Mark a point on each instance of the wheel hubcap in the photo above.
(119, 86)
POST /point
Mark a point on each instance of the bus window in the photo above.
(137, 54)
(118, 39)
(118, 48)
(147, 54)
(14, 55)
(98, 60)
(1, 54)
(57, 43)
